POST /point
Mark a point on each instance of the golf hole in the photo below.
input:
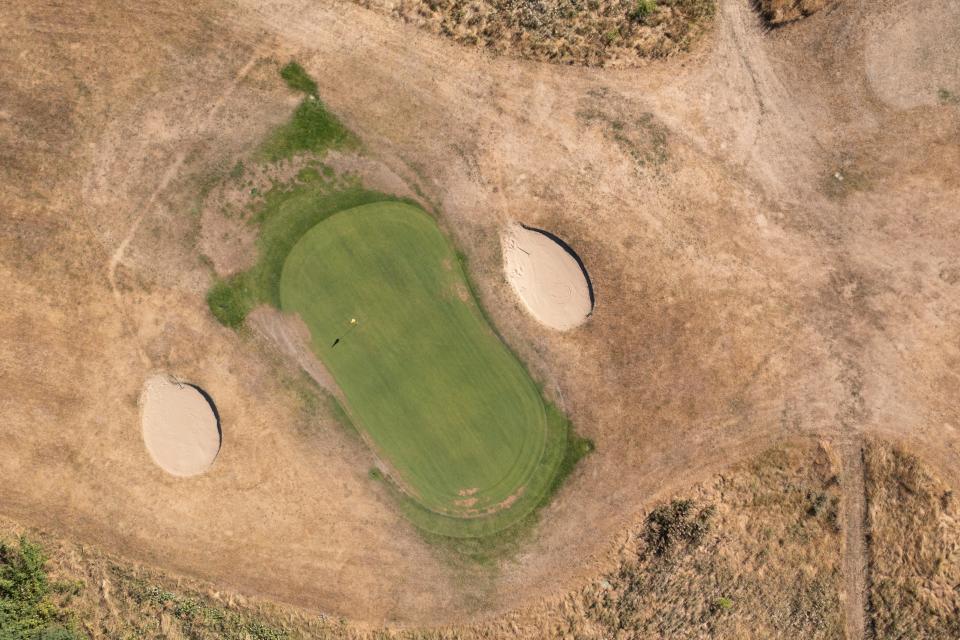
(181, 425)
(548, 277)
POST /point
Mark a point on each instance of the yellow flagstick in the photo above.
(353, 323)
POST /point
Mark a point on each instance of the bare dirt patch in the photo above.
(911, 58)
(181, 429)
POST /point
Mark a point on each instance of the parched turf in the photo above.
(443, 401)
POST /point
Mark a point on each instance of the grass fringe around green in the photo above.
(563, 450)
(487, 549)
(288, 212)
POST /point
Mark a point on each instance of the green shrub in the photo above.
(643, 8)
(230, 301)
(26, 607)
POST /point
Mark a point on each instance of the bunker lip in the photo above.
(573, 254)
(180, 425)
(548, 276)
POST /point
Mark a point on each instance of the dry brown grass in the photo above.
(914, 521)
(588, 32)
(782, 11)
(753, 551)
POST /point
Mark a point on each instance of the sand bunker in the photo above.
(548, 276)
(180, 426)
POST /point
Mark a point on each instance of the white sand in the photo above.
(179, 426)
(547, 278)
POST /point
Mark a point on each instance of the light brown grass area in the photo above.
(914, 521)
(782, 11)
(755, 552)
(595, 33)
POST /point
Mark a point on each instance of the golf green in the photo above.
(459, 423)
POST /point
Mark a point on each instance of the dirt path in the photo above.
(855, 557)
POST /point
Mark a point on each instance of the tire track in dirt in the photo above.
(855, 561)
(171, 172)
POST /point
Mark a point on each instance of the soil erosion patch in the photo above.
(181, 428)
(453, 414)
(548, 276)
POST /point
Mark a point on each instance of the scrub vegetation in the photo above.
(612, 32)
(777, 12)
(743, 554)
(914, 522)
(31, 606)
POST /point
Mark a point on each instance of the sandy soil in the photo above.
(180, 428)
(749, 294)
(546, 278)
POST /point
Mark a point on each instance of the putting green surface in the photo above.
(446, 405)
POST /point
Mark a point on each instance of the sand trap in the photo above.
(547, 276)
(180, 426)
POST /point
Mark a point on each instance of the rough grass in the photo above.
(452, 410)
(592, 33)
(754, 552)
(741, 557)
(312, 129)
(914, 524)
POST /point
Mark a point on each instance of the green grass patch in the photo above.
(643, 8)
(298, 79)
(442, 399)
(946, 96)
(312, 129)
(29, 606)
(196, 618)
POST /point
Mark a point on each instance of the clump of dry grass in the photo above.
(914, 521)
(782, 11)
(587, 32)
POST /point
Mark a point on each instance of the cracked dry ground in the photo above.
(770, 224)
